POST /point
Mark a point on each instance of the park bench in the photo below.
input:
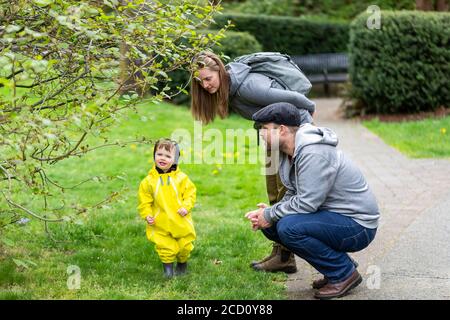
(324, 68)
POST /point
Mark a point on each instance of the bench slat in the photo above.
(317, 63)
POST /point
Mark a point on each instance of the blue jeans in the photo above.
(322, 239)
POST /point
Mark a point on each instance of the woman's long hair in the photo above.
(204, 105)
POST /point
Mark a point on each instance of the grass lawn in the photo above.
(109, 245)
(429, 138)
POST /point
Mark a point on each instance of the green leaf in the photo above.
(12, 28)
(8, 242)
(163, 74)
(31, 263)
(20, 263)
(79, 222)
(35, 33)
(111, 3)
(7, 83)
(43, 3)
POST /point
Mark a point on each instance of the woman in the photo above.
(216, 87)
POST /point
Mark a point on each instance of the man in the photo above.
(328, 208)
(280, 259)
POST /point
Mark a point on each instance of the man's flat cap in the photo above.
(282, 113)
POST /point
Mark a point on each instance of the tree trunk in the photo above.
(442, 5)
(430, 5)
(130, 82)
(424, 5)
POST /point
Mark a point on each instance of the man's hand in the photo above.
(257, 219)
(253, 217)
(150, 220)
(182, 211)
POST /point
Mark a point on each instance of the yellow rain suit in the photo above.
(160, 196)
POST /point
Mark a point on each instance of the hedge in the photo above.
(405, 65)
(334, 9)
(294, 36)
(232, 45)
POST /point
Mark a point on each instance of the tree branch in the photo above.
(53, 160)
(31, 213)
(37, 83)
(60, 90)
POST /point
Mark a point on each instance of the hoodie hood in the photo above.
(238, 72)
(309, 134)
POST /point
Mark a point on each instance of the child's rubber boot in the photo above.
(168, 270)
(181, 269)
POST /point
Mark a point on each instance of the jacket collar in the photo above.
(158, 172)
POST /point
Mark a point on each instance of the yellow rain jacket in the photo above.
(160, 196)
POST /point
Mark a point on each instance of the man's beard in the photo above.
(274, 147)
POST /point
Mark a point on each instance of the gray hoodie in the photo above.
(249, 92)
(320, 177)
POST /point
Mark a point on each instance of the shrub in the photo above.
(236, 44)
(269, 7)
(294, 36)
(404, 66)
(335, 9)
(344, 9)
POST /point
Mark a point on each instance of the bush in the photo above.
(294, 36)
(233, 45)
(269, 7)
(236, 44)
(404, 66)
(336, 9)
(344, 9)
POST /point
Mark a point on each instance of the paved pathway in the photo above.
(411, 251)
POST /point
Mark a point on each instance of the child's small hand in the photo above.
(150, 220)
(182, 212)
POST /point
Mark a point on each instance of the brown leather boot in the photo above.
(340, 289)
(283, 261)
(275, 249)
(320, 283)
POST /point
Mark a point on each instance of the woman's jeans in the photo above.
(322, 239)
